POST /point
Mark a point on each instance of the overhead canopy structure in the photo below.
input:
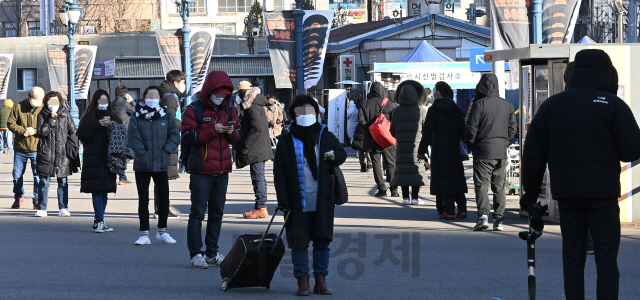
(425, 53)
(586, 40)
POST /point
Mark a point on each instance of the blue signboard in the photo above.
(477, 63)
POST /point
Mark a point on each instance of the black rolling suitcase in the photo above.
(253, 259)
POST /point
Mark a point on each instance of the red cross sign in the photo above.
(347, 62)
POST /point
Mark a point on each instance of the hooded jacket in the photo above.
(22, 116)
(443, 129)
(255, 145)
(406, 127)
(210, 153)
(52, 160)
(491, 123)
(352, 120)
(368, 114)
(582, 134)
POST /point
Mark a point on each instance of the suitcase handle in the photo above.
(258, 240)
(264, 235)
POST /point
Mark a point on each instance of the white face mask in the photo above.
(152, 102)
(216, 100)
(54, 108)
(182, 88)
(306, 120)
(103, 106)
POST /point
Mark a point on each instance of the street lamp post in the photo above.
(70, 15)
(298, 14)
(184, 10)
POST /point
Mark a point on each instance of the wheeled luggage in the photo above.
(253, 259)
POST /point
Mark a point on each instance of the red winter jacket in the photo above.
(211, 154)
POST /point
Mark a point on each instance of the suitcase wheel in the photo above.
(224, 285)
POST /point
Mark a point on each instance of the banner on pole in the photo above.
(171, 53)
(6, 61)
(336, 113)
(511, 19)
(280, 29)
(83, 69)
(559, 20)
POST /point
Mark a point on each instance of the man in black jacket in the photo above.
(124, 107)
(366, 116)
(589, 118)
(491, 124)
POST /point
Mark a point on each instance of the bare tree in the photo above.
(18, 12)
(106, 16)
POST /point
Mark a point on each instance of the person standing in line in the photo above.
(124, 107)
(443, 129)
(587, 116)
(254, 149)
(274, 116)
(352, 120)
(55, 126)
(406, 127)
(209, 164)
(96, 178)
(239, 105)
(366, 116)
(302, 172)
(358, 142)
(172, 90)
(491, 124)
(6, 137)
(23, 123)
(153, 136)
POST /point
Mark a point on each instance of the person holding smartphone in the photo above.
(153, 136)
(96, 178)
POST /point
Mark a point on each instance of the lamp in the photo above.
(62, 12)
(74, 13)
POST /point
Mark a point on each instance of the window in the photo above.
(135, 94)
(481, 4)
(225, 28)
(34, 28)
(26, 79)
(196, 7)
(233, 6)
(10, 30)
(280, 5)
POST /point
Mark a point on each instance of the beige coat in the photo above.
(275, 117)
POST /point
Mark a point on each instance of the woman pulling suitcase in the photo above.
(302, 176)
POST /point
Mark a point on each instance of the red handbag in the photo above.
(381, 129)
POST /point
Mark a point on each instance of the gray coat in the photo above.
(153, 141)
(406, 127)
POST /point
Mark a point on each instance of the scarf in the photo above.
(150, 113)
(309, 136)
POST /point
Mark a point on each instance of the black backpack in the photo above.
(184, 146)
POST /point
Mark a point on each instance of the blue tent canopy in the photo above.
(586, 40)
(425, 53)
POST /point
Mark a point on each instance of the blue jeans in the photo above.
(6, 140)
(321, 251)
(99, 205)
(43, 193)
(211, 191)
(19, 166)
(259, 184)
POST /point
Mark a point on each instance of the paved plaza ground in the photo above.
(381, 249)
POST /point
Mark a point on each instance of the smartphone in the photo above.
(108, 118)
(231, 123)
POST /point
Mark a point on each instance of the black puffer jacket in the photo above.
(406, 127)
(96, 177)
(172, 102)
(443, 130)
(583, 134)
(52, 158)
(255, 144)
(491, 124)
(368, 114)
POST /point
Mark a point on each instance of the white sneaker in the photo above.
(417, 202)
(143, 240)
(64, 213)
(165, 237)
(216, 261)
(406, 201)
(41, 213)
(199, 262)
(102, 227)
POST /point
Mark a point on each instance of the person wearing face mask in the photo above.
(302, 172)
(96, 178)
(23, 123)
(153, 136)
(254, 149)
(274, 116)
(209, 164)
(55, 126)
